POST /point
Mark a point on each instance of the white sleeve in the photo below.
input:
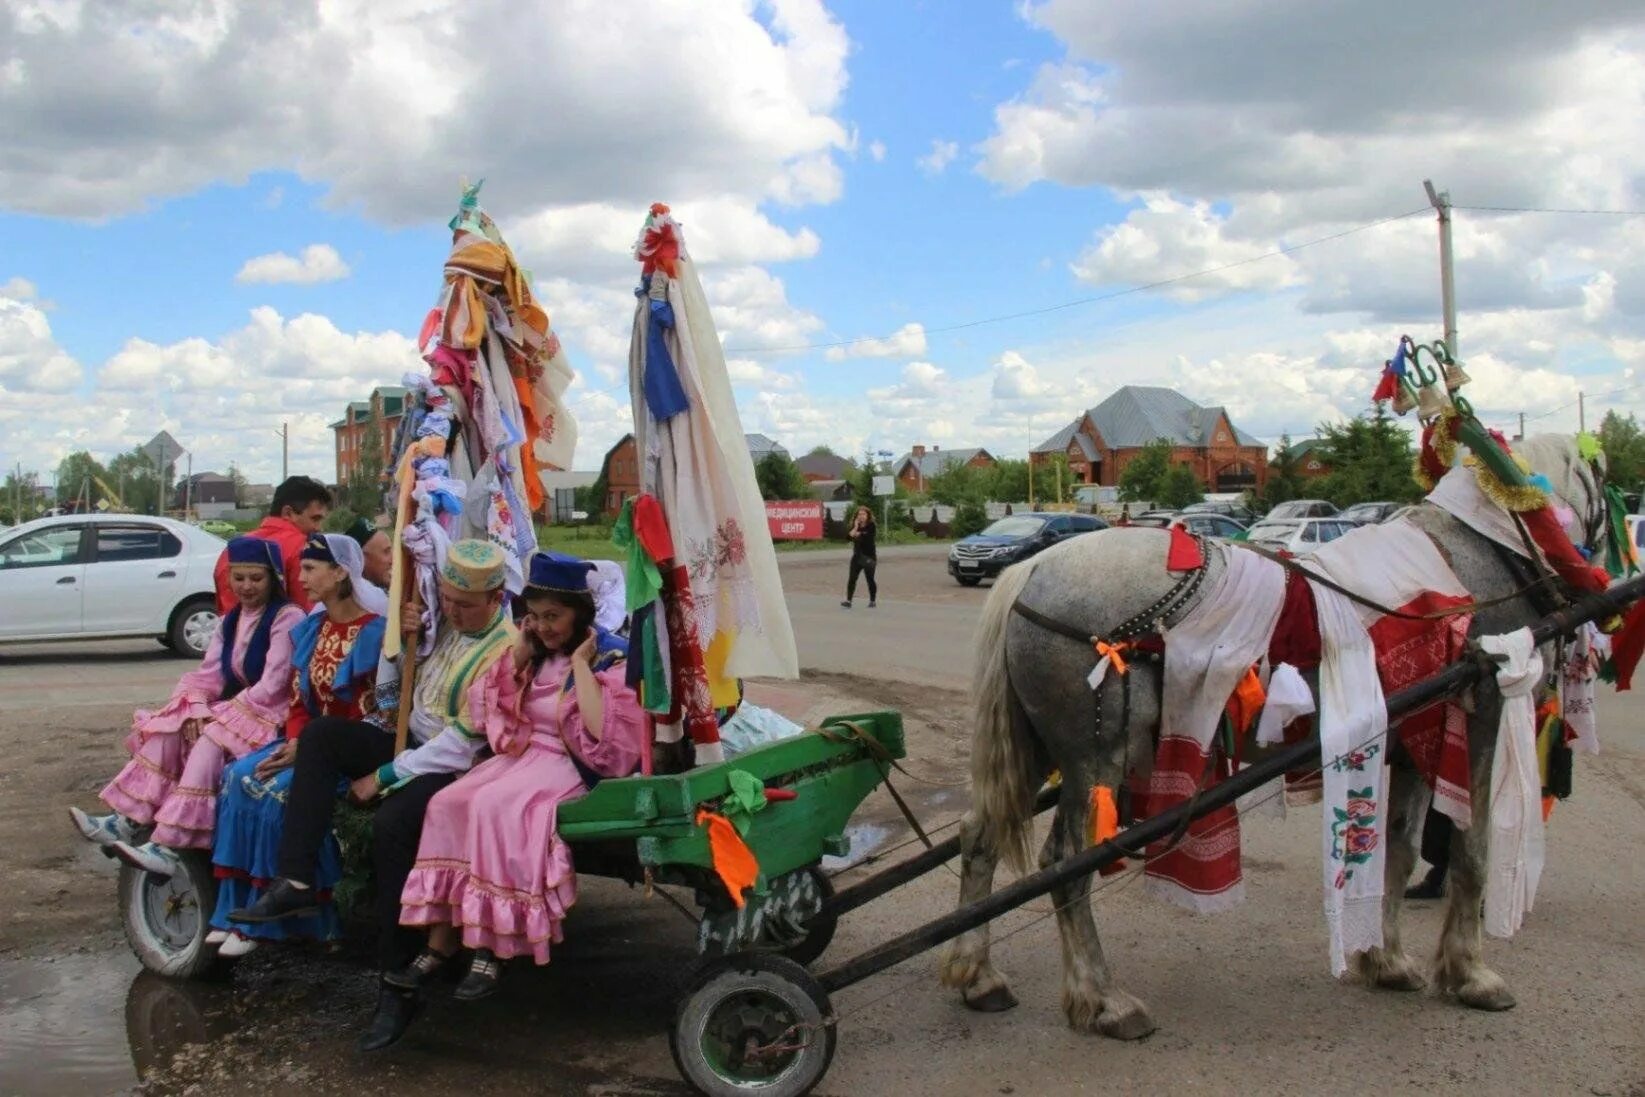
(448, 752)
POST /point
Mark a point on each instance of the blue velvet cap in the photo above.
(255, 550)
(559, 572)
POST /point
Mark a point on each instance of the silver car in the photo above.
(109, 576)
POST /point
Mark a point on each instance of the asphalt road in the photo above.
(1243, 1000)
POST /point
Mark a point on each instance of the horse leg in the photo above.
(965, 962)
(1460, 968)
(1390, 967)
(1089, 997)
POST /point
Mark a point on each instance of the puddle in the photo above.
(96, 1023)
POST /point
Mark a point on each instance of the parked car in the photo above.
(1302, 508)
(1238, 511)
(1298, 536)
(1369, 514)
(104, 577)
(1159, 519)
(984, 555)
(1210, 525)
(219, 527)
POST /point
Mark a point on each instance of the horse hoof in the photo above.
(1409, 979)
(996, 999)
(1124, 1018)
(1490, 994)
(1389, 972)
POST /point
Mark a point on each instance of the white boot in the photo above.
(157, 860)
(104, 830)
(217, 936)
(236, 946)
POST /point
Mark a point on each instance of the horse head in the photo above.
(1578, 485)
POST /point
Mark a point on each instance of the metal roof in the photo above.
(1136, 415)
(934, 462)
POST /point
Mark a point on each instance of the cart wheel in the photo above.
(753, 1023)
(166, 918)
(819, 931)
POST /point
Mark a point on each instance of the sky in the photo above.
(917, 223)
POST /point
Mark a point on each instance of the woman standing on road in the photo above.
(864, 556)
(227, 707)
(492, 873)
(334, 673)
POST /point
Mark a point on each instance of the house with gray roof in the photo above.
(1104, 439)
(916, 467)
(761, 447)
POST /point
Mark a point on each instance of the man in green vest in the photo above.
(444, 739)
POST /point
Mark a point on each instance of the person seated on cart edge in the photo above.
(492, 874)
(298, 510)
(475, 634)
(226, 707)
(334, 672)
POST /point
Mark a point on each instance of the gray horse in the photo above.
(1035, 714)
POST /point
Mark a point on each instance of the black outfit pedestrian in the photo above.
(864, 558)
(1437, 829)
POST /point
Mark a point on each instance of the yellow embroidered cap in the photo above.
(474, 565)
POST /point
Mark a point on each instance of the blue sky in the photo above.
(842, 171)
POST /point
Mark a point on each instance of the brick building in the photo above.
(621, 472)
(916, 468)
(823, 466)
(1106, 438)
(386, 405)
(1306, 454)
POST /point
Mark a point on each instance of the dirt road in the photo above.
(1243, 999)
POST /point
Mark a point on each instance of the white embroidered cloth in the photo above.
(1513, 862)
(1353, 724)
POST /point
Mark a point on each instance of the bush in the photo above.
(969, 518)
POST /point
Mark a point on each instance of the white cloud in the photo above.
(876, 149)
(941, 155)
(751, 310)
(907, 341)
(603, 103)
(30, 359)
(1167, 238)
(318, 263)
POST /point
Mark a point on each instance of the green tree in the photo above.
(1142, 479)
(1179, 487)
(779, 478)
(238, 478)
(20, 498)
(1285, 479)
(862, 484)
(1370, 460)
(821, 451)
(969, 517)
(960, 483)
(77, 476)
(133, 475)
(1624, 446)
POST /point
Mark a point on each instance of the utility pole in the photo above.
(1447, 278)
(17, 496)
(1521, 437)
(285, 451)
(188, 486)
(1581, 411)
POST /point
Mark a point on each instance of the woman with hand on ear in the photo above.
(492, 873)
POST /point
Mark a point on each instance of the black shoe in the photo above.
(279, 902)
(1432, 887)
(872, 603)
(847, 605)
(483, 976)
(419, 973)
(395, 1011)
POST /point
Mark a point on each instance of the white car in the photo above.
(105, 577)
(1298, 536)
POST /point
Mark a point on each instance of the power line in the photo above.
(1128, 291)
(1545, 209)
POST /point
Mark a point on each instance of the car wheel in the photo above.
(192, 626)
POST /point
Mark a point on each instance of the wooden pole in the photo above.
(397, 583)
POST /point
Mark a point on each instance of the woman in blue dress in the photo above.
(334, 672)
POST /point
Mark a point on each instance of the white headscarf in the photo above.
(346, 551)
(609, 588)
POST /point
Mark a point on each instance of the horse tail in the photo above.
(1004, 776)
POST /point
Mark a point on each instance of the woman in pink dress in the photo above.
(227, 707)
(492, 874)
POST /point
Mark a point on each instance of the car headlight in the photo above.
(1003, 551)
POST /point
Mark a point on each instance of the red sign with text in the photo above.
(792, 521)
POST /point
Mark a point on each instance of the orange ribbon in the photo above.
(1114, 653)
(1105, 823)
(734, 862)
(1246, 701)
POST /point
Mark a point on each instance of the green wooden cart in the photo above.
(646, 830)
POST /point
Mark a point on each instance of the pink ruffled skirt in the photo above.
(490, 861)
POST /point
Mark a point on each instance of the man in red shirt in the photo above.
(300, 507)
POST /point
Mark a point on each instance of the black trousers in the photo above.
(864, 566)
(1436, 840)
(331, 750)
